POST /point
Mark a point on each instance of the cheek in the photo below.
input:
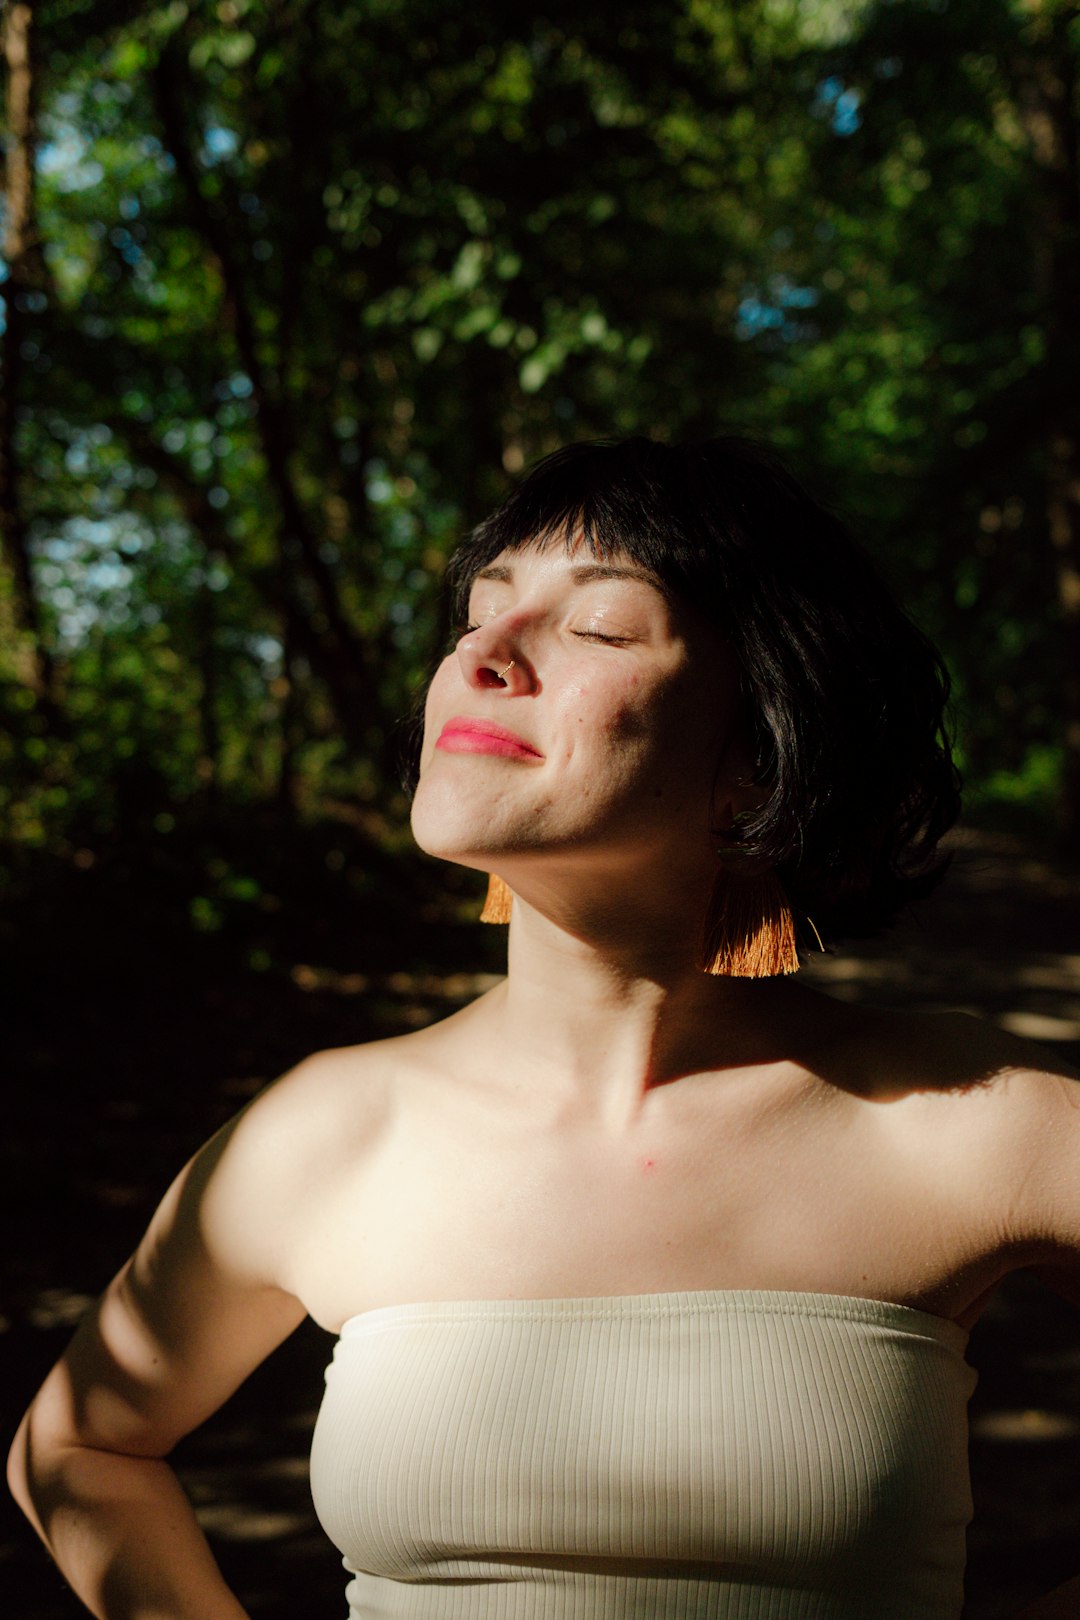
(648, 714)
(616, 735)
(597, 716)
(671, 737)
(435, 709)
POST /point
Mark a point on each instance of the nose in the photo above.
(491, 657)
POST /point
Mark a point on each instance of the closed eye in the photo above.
(595, 635)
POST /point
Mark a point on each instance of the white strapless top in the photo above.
(722, 1455)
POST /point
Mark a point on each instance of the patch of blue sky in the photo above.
(238, 386)
(268, 652)
(126, 245)
(840, 103)
(65, 156)
(769, 309)
(84, 575)
(67, 162)
(219, 143)
(79, 538)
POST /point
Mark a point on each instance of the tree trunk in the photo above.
(343, 659)
(271, 583)
(22, 255)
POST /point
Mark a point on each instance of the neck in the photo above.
(603, 1006)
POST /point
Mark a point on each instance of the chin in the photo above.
(445, 825)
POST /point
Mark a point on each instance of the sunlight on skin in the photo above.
(577, 1167)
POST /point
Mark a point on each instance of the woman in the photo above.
(652, 1268)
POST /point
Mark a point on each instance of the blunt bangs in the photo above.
(843, 698)
(596, 492)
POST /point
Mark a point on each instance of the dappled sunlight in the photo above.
(293, 289)
(1040, 997)
(845, 971)
(1011, 970)
(57, 1308)
(1031, 1425)
(306, 977)
(232, 1521)
(1038, 1026)
(440, 986)
(405, 1001)
(1055, 971)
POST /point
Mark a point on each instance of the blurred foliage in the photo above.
(317, 278)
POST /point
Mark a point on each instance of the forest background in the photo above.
(290, 291)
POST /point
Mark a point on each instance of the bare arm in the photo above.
(182, 1325)
(122, 1531)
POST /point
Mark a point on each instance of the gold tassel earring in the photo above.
(498, 902)
(749, 929)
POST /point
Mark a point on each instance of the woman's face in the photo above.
(583, 710)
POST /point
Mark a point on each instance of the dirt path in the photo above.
(131, 1056)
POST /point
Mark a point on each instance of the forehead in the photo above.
(573, 557)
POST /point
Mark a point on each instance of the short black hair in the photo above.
(843, 697)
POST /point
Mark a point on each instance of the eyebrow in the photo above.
(584, 574)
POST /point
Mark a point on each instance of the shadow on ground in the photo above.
(135, 1038)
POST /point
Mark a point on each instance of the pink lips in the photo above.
(464, 736)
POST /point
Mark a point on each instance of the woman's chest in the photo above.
(773, 1438)
(801, 1198)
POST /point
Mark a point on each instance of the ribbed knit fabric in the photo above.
(745, 1455)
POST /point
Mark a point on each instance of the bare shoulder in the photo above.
(888, 1054)
(215, 1284)
(1022, 1116)
(328, 1097)
(961, 1056)
(996, 1117)
(1013, 1098)
(340, 1100)
(969, 1049)
(265, 1174)
(960, 1093)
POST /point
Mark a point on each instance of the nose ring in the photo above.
(503, 673)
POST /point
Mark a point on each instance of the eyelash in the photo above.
(582, 635)
(607, 641)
